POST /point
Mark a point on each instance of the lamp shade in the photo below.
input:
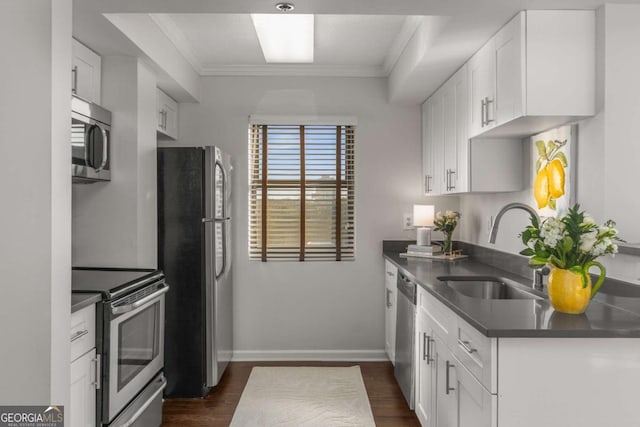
(423, 215)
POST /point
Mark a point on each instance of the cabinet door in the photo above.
(446, 397)
(510, 60)
(476, 407)
(437, 141)
(425, 373)
(460, 179)
(449, 136)
(427, 147)
(85, 72)
(390, 322)
(83, 391)
(167, 114)
(455, 136)
(482, 72)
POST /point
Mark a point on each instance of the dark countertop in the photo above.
(80, 301)
(608, 316)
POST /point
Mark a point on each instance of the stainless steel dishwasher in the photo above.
(405, 325)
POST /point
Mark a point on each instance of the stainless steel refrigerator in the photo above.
(194, 252)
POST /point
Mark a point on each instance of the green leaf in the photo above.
(539, 164)
(534, 222)
(567, 244)
(552, 204)
(542, 152)
(550, 148)
(563, 159)
(526, 236)
(556, 261)
(527, 252)
(576, 269)
(537, 262)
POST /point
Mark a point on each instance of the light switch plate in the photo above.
(407, 222)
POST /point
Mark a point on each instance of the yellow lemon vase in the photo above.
(569, 293)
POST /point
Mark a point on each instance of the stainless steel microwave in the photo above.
(90, 140)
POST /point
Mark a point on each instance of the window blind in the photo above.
(301, 192)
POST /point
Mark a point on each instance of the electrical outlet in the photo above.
(407, 222)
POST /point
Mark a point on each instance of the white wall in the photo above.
(115, 222)
(283, 309)
(608, 151)
(35, 248)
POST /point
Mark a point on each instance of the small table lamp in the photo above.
(423, 216)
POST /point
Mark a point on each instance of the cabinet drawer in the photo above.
(390, 274)
(477, 353)
(440, 317)
(83, 331)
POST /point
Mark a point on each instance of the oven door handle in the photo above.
(130, 307)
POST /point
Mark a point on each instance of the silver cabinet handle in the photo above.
(448, 388)
(465, 345)
(79, 335)
(389, 304)
(142, 301)
(452, 186)
(482, 111)
(427, 183)
(426, 348)
(74, 85)
(486, 103)
(97, 371)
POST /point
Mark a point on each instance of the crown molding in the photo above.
(177, 37)
(294, 70)
(411, 24)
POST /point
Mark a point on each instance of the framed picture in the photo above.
(553, 170)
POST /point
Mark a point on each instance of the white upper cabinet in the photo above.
(456, 135)
(432, 165)
(482, 88)
(536, 73)
(86, 72)
(167, 114)
(452, 163)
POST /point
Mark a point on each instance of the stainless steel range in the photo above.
(130, 343)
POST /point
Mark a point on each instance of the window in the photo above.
(301, 192)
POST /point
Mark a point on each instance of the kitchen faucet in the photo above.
(538, 275)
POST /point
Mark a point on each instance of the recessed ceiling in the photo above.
(345, 45)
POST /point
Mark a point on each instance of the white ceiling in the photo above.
(353, 38)
(354, 45)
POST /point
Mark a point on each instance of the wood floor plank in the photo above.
(216, 409)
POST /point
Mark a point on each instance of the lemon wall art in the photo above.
(553, 170)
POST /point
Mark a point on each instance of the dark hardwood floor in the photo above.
(216, 410)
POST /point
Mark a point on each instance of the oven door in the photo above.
(135, 346)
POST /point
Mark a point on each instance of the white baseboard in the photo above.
(310, 355)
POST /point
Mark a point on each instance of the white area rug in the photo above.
(304, 397)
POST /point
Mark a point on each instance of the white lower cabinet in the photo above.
(83, 390)
(391, 295)
(448, 394)
(85, 369)
(425, 371)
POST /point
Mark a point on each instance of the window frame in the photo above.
(342, 233)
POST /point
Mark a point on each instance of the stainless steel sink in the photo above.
(488, 288)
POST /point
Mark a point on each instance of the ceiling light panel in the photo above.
(285, 38)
